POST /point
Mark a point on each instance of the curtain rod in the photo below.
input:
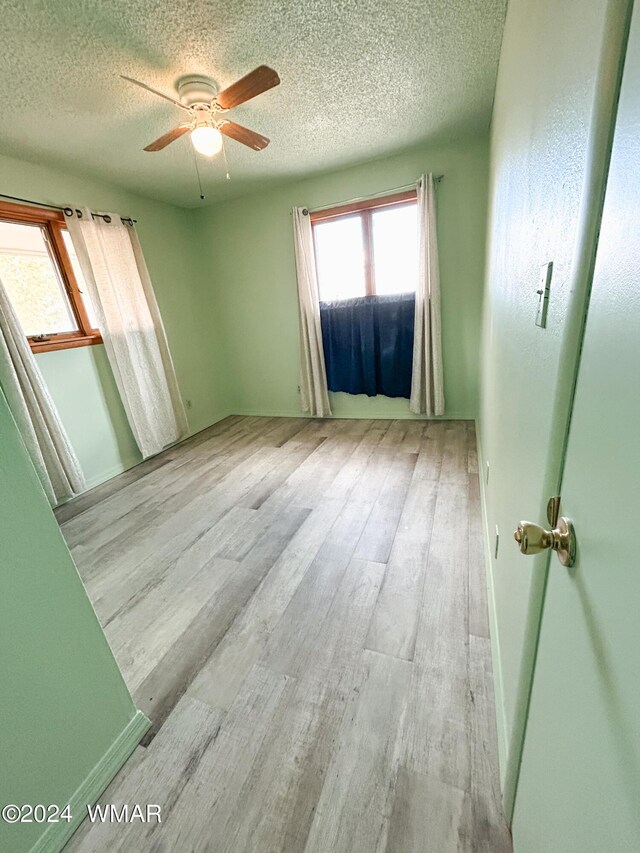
(382, 194)
(68, 210)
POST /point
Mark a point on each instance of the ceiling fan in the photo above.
(200, 98)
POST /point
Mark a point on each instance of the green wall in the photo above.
(67, 718)
(248, 267)
(88, 402)
(80, 379)
(540, 127)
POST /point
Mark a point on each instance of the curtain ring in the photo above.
(78, 213)
(107, 218)
(305, 212)
(68, 211)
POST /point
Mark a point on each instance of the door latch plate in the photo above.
(553, 510)
(543, 294)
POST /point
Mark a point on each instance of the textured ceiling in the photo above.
(360, 79)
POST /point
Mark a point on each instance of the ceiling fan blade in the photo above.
(156, 92)
(168, 138)
(243, 134)
(255, 83)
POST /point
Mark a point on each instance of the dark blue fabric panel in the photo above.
(368, 344)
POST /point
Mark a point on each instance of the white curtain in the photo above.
(34, 411)
(313, 375)
(427, 389)
(116, 275)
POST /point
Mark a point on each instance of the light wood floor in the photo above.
(299, 607)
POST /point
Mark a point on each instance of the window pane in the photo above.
(395, 249)
(82, 284)
(340, 258)
(32, 281)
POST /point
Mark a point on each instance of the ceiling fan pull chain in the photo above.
(226, 162)
(195, 160)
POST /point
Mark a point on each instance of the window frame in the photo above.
(365, 209)
(53, 223)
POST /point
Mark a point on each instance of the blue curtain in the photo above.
(368, 344)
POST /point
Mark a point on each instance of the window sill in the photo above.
(58, 343)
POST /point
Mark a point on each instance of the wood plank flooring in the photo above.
(299, 607)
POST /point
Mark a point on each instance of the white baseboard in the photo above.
(57, 834)
(202, 425)
(498, 687)
(127, 464)
(103, 476)
(269, 413)
(383, 416)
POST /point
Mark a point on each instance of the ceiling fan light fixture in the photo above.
(200, 98)
(207, 140)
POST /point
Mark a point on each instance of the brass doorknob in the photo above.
(532, 539)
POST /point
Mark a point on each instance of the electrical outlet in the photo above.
(495, 552)
(486, 475)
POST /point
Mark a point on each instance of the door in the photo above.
(579, 785)
(552, 128)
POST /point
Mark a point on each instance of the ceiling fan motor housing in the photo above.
(196, 89)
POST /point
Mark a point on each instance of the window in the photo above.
(41, 274)
(367, 248)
